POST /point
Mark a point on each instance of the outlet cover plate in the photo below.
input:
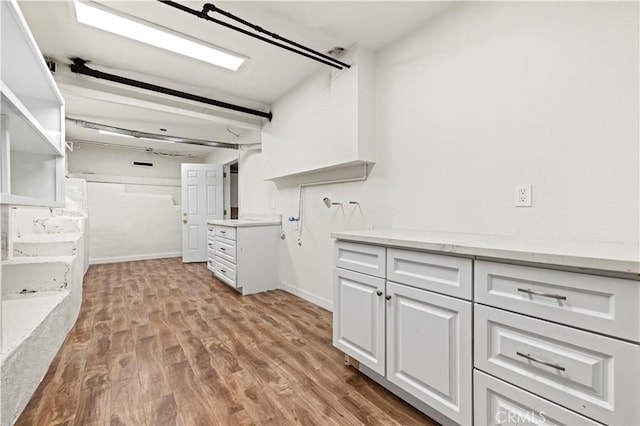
(523, 195)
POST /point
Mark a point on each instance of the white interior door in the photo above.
(202, 200)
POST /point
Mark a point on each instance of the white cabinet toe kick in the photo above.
(472, 341)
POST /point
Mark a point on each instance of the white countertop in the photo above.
(605, 256)
(244, 222)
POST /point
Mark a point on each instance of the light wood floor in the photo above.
(158, 342)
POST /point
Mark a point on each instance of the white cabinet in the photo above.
(359, 317)
(415, 339)
(32, 118)
(245, 258)
(429, 348)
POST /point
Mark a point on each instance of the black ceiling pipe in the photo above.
(204, 15)
(79, 66)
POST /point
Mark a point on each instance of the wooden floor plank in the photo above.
(160, 342)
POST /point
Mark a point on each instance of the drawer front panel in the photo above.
(600, 304)
(225, 268)
(211, 231)
(429, 349)
(226, 249)
(499, 403)
(591, 374)
(442, 274)
(228, 281)
(363, 258)
(359, 317)
(210, 264)
(226, 232)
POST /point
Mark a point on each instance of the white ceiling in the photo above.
(267, 75)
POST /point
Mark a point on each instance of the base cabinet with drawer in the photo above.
(551, 345)
(245, 257)
(418, 340)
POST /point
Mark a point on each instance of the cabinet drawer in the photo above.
(210, 264)
(593, 375)
(363, 258)
(226, 249)
(498, 403)
(225, 268)
(226, 280)
(605, 305)
(211, 231)
(442, 274)
(226, 232)
(359, 317)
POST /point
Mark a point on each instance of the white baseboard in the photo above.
(309, 297)
(101, 260)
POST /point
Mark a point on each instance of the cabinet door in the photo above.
(358, 317)
(429, 349)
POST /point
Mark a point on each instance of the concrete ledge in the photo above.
(36, 273)
(34, 327)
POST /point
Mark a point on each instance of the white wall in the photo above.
(134, 212)
(482, 98)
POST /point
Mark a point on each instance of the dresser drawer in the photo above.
(601, 304)
(499, 403)
(211, 231)
(225, 268)
(226, 249)
(593, 375)
(442, 274)
(363, 258)
(225, 232)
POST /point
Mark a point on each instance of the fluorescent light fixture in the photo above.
(106, 132)
(162, 38)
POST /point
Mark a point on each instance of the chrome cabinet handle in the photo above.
(548, 364)
(379, 293)
(388, 297)
(223, 249)
(223, 232)
(539, 293)
(223, 271)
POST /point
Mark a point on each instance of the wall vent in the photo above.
(135, 163)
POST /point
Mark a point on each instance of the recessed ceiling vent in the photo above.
(135, 163)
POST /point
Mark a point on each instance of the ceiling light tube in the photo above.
(106, 132)
(145, 32)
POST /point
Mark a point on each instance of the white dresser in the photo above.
(244, 254)
(475, 329)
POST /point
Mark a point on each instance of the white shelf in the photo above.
(24, 127)
(19, 200)
(32, 145)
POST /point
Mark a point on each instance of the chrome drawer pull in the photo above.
(548, 364)
(539, 293)
(223, 271)
(223, 249)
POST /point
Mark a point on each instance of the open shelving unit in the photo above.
(31, 118)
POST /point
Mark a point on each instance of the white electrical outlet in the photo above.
(523, 195)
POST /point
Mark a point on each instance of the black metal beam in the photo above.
(79, 66)
(203, 14)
